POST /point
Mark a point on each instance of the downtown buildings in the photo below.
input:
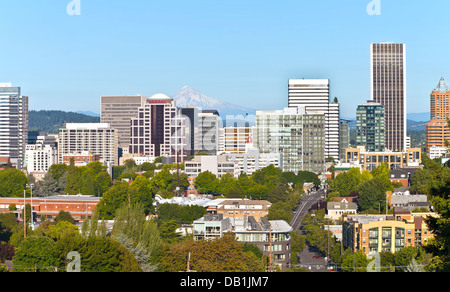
(13, 124)
(314, 96)
(388, 88)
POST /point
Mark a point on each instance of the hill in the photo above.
(52, 120)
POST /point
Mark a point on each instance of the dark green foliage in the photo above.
(51, 121)
(180, 214)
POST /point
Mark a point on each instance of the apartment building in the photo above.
(252, 160)
(271, 237)
(95, 138)
(377, 233)
(218, 165)
(359, 157)
(242, 209)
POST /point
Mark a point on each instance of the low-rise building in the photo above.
(218, 165)
(80, 207)
(377, 233)
(371, 160)
(271, 237)
(335, 210)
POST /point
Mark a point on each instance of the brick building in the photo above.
(78, 206)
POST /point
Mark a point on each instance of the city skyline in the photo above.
(240, 53)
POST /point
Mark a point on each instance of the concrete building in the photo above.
(314, 96)
(209, 123)
(370, 125)
(296, 135)
(234, 139)
(388, 88)
(13, 124)
(218, 165)
(252, 159)
(96, 139)
(117, 111)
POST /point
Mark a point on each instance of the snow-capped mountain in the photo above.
(188, 96)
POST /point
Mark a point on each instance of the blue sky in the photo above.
(241, 52)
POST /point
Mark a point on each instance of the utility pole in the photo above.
(24, 215)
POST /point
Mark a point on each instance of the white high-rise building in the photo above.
(314, 95)
(13, 124)
(96, 138)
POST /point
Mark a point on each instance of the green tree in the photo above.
(13, 182)
(206, 182)
(64, 216)
(208, 256)
(36, 254)
(372, 195)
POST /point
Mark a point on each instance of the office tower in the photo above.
(13, 124)
(437, 128)
(160, 130)
(209, 123)
(191, 113)
(117, 111)
(313, 94)
(344, 138)
(388, 87)
(96, 138)
(298, 136)
(235, 139)
(370, 126)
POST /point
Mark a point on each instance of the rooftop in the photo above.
(442, 86)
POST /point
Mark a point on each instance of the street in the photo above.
(310, 258)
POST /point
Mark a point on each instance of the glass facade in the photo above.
(299, 138)
(370, 127)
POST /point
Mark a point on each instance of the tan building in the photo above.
(358, 157)
(118, 112)
(437, 128)
(377, 233)
(242, 209)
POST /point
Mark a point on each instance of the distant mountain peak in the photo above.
(188, 96)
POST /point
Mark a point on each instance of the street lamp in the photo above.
(31, 192)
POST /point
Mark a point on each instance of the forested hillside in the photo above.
(51, 120)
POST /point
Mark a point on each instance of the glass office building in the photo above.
(370, 126)
(296, 135)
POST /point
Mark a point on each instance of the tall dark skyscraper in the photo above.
(388, 87)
